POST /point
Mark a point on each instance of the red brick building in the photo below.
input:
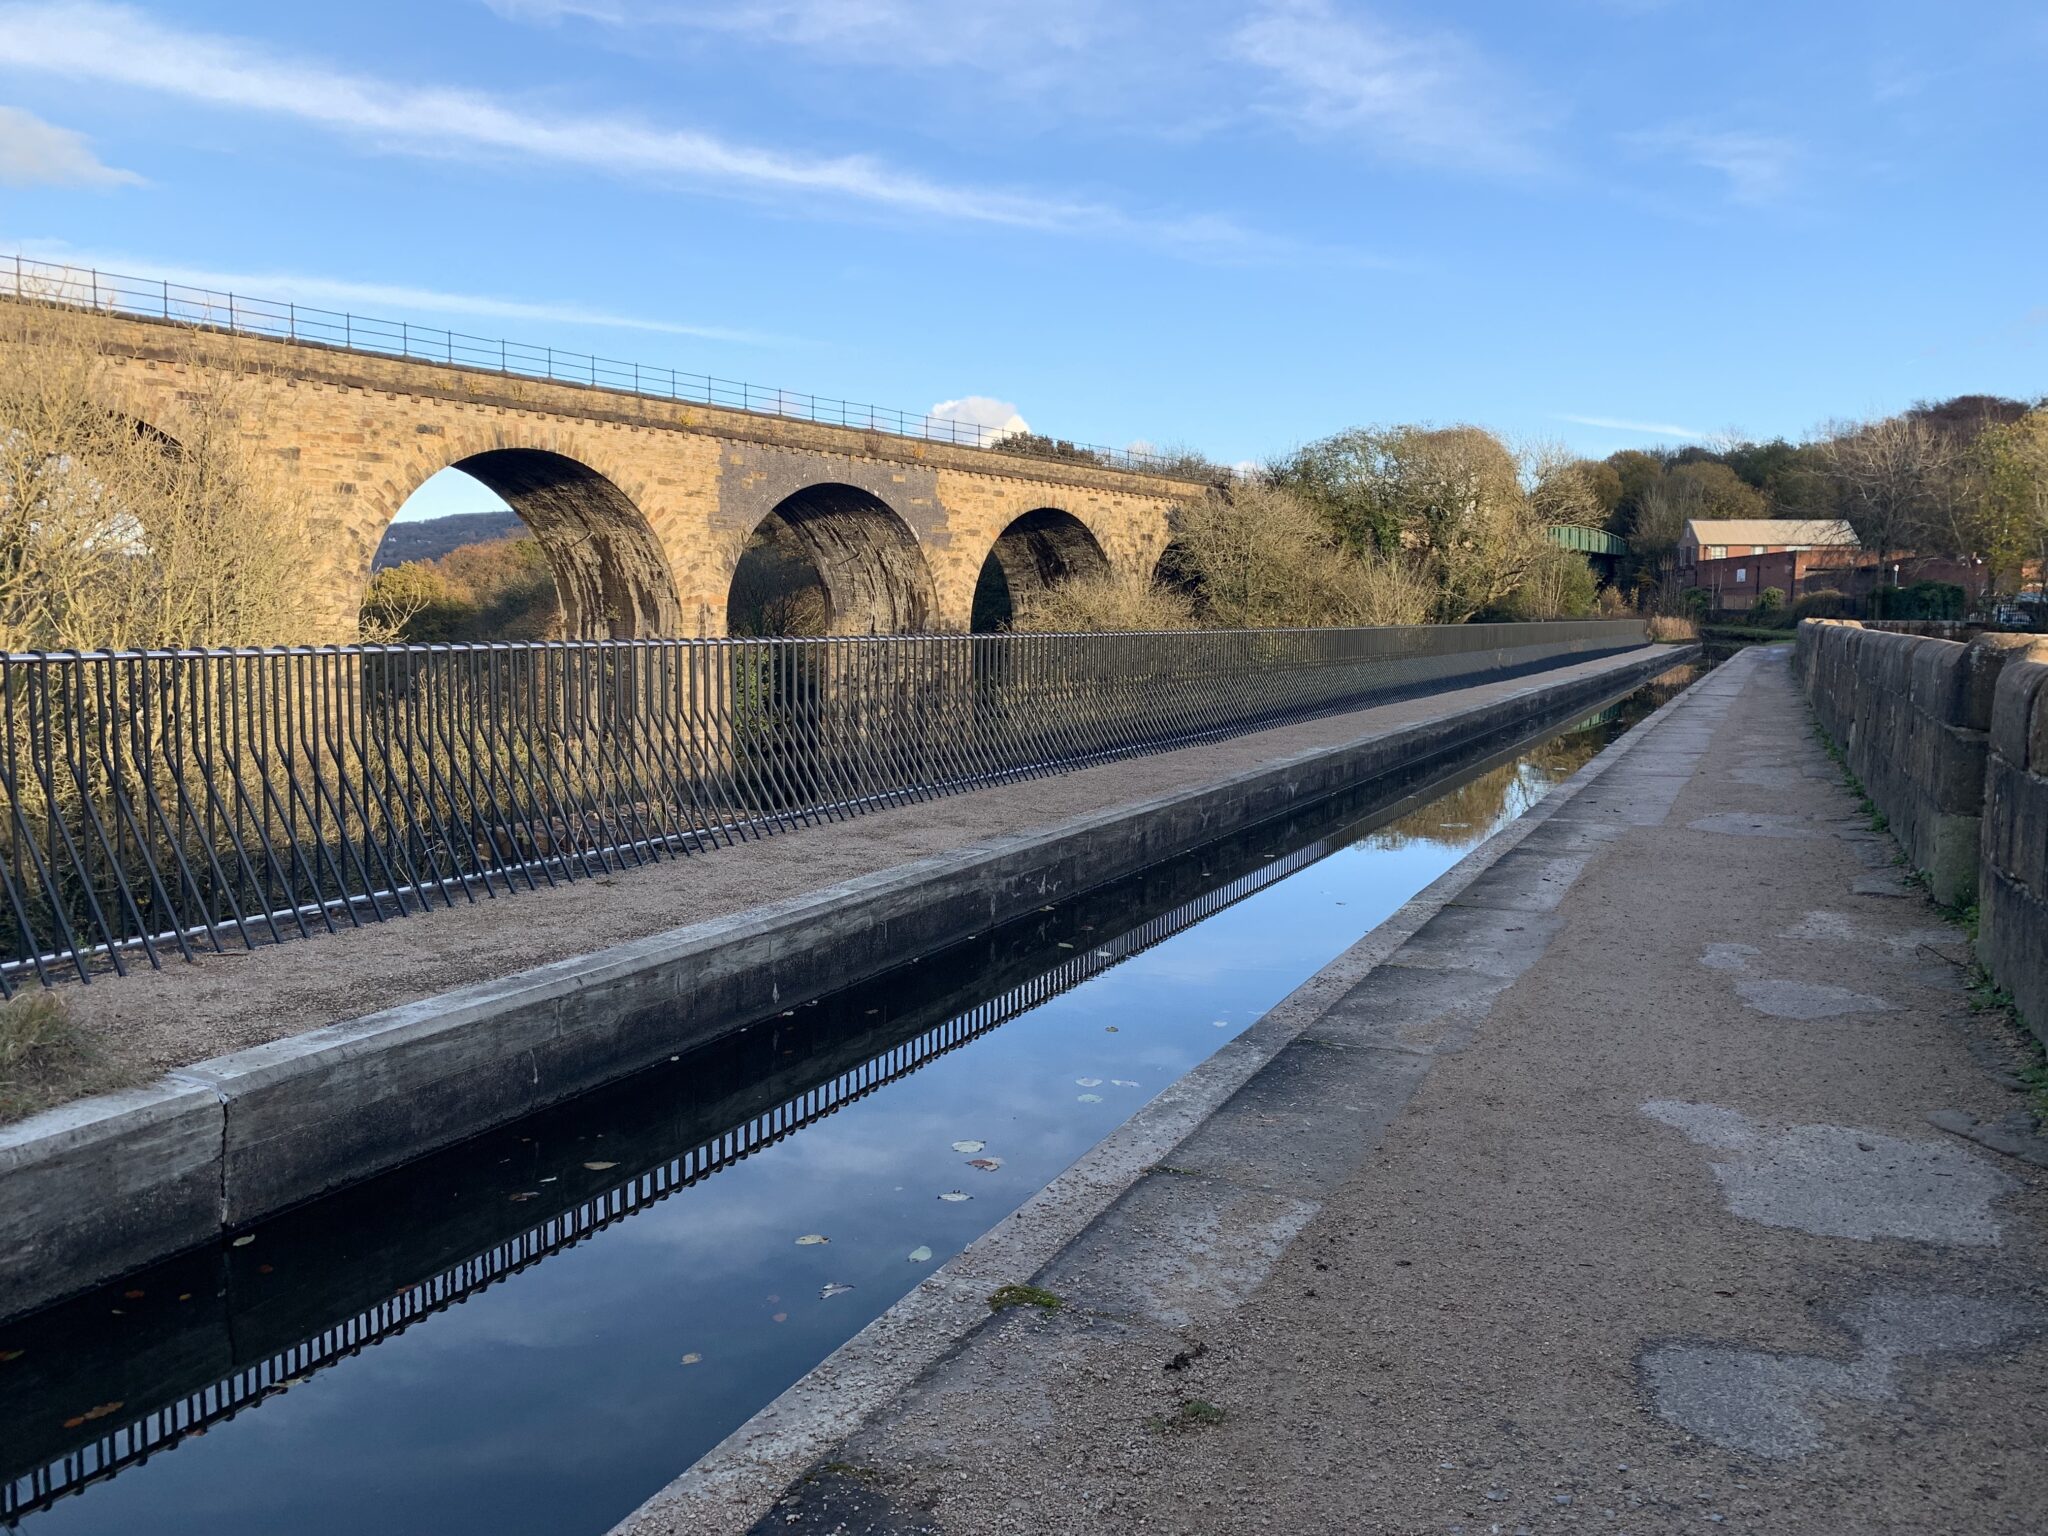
(1732, 583)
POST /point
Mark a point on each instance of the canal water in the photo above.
(532, 1332)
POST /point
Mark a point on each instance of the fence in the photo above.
(151, 298)
(161, 802)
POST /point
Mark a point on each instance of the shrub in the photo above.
(1669, 627)
(1107, 600)
(1822, 603)
(1769, 601)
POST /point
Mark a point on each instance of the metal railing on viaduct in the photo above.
(156, 298)
(160, 803)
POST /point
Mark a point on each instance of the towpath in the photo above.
(1610, 1201)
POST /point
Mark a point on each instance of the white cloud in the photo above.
(1000, 416)
(1646, 428)
(1759, 167)
(1429, 97)
(1011, 37)
(557, 10)
(1016, 38)
(121, 46)
(360, 297)
(36, 153)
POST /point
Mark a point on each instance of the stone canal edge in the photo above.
(1085, 1223)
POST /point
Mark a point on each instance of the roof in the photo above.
(1770, 530)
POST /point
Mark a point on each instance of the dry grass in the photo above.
(1668, 627)
(46, 1059)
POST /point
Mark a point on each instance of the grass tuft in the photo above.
(1009, 1296)
(45, 1058)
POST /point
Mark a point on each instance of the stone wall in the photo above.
(1951, 743)
(2012, 882)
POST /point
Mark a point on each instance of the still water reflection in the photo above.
(534, 1331)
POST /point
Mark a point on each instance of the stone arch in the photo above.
(867, 559)
(1033, 554)
(611, 573)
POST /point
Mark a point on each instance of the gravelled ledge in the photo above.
(93, 1189)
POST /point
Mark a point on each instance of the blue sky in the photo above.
(1229, 226)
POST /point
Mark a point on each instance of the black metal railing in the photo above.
(151, 298)
(157, 803)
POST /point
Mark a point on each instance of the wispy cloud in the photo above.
(1430, 97)
(1013, 38)
(1644, 428)
(559, 10)
(368, 298)
(121, 46)
(36, 153)
(1759, 167)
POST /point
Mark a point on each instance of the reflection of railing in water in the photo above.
(162, 1428)
(160, 803)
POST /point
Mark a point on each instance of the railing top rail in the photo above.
(1535, 628)
(90, 288)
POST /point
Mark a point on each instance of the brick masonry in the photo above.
(681, 485)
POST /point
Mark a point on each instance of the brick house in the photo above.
(1732, 583)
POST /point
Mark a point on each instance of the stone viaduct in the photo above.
(644, 504)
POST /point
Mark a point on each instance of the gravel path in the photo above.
(152, 1020)
(1609, 1203)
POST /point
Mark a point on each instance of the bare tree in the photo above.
(1899, 481)
(116, 532)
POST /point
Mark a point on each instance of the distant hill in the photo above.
(433, 537)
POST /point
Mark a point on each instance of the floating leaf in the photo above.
(15, 1354)
(1104, 954)
(1065, 945)
(525, 1194)
(1089, 1098)
(1088, 1082)
(244, 1240)
(833, 1289)
(692, 1358)
(600, 1167)
(955, 1196)
(780, 1317)
(1219, 1023)
(1109, 1029)
(985, 1164)
(918, 1255)
(1121, 1082)
(969, 1146)
(92, 1413)
(812, 1239)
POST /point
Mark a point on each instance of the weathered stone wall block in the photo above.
(1950, 741)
